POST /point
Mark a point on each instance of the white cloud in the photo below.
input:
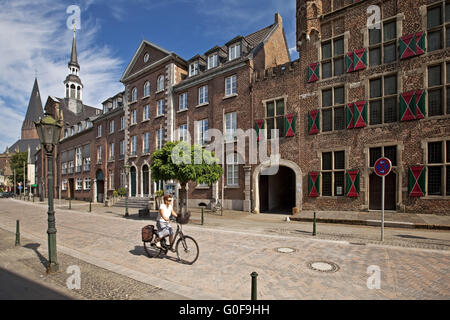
(34, 36)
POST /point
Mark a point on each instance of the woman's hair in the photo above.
(167, 197)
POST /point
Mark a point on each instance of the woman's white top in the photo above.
(166, 211)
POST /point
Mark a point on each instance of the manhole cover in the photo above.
(285, 250)
(323, 266)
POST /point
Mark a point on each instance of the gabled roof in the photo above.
(138, 53)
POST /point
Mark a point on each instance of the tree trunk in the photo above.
(182, 204)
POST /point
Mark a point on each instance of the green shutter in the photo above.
(314, 184)
(360, 114)
(408, 46)
(420, 104)
(314, 122)
(352, 183)
(408, 107)
(290, 125)
(416, 181)
(349, 110)
(421, 46)
(314, 72)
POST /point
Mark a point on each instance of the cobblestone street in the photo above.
(228, 254)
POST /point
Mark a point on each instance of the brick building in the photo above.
(358, 92)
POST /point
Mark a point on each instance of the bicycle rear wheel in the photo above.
(153, 251)
(187, 250)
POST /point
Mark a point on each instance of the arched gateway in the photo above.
(278, 192)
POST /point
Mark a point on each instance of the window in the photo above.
(122, 149)
(99, 131)
(438, 26)
(230, 126)
(160, 83)
(333, 174)
(79, 185)
(71, 166)
(213, 61)
(202, 127)
(183, 133)
(111, 152)
(234, 51)
(64, 184)
(159, 138)
(147, 89)
(383, 44)
(333, 111)
(122, 122)
(66, 133)
(182, 101)
(146, 115)
(134, 95)
(80, 127)
(146, 57)
(438, 90)
(87, 183)
(146, 144)
(87, 164)
(332, 57)
(99, 154)
(193, 69)
(383, 104)
(389, 152)
(78, 159)
(230, 86)
(275, 117)
(160, 108)
(438, 168)
(64, 168)
(111, 180)
(232, 170)
(111, 126)
(134, 145)
(115, 103)
(133, 117)
(203, 95)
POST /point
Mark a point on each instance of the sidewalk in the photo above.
(373, 218)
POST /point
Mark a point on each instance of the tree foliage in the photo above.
(17, 162)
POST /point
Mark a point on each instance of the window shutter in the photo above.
(314, 122)
(408, 107)
(352, 183)
(408, 46)
(349, 115)
(349, 67)
(360, 59)
(314, 72)
(420, 104)
(313, 184)
(416, 181)
(360, 114)
(289, 125)
(259, 127)
(421, 46)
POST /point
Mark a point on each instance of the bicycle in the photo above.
(186, 247)
(216, 206)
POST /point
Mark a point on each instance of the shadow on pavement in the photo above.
(16, 287)
(152, 253)
(34, 247)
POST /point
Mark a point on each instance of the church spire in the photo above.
(34, 112)
(74, 57)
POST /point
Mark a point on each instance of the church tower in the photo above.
(74, 87)
(34, 112)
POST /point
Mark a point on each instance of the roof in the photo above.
(71, 118)
(22, 145)
(34, 111)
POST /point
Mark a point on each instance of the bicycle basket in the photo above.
(183, 219)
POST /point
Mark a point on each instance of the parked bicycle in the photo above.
(216, 206)
(186, 247)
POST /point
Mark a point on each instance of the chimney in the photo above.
(278, 19)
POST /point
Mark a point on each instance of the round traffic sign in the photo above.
(383, 167)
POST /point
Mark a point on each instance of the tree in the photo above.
(198, 165)
(17, 163)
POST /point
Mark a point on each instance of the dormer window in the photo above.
(213, 61)
(115, 103)
(234, 51)
(193, 69)
(80, 127)
(146, 58)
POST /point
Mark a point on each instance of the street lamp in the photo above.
(49, 131)
(127, 171)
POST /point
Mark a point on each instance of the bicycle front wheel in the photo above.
(187, 250)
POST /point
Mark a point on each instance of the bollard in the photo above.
(254, 286)
(70, 204)
(33, 198)
(314, 225)
(90, 205)
(17, 233)
(202, 216)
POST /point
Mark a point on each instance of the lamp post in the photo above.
(127, 170)
(49, 131)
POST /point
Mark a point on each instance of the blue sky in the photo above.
(34, 36)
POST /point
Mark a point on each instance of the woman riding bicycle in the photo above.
(163, 222)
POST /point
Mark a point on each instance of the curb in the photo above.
(375, 223)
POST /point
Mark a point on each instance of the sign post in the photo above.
(383, 167)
